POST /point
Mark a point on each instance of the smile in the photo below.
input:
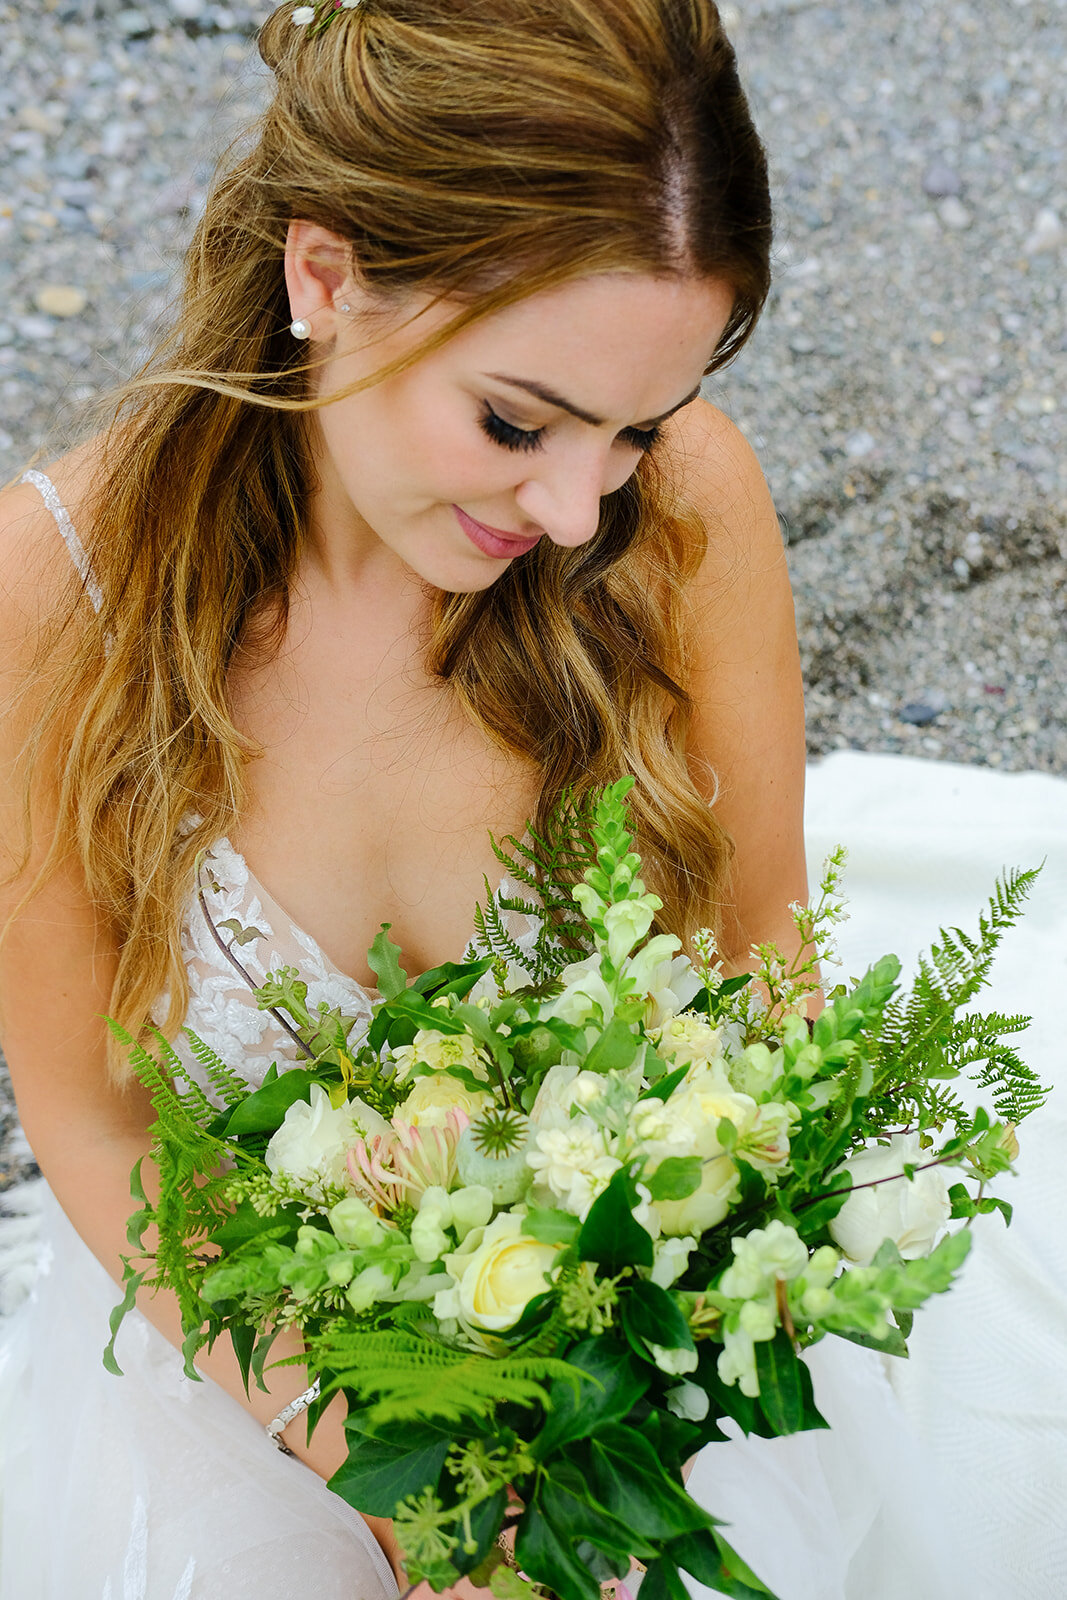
(491, 541)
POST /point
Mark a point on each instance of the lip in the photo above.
(491, 541)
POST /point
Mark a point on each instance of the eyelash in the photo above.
(526, 439)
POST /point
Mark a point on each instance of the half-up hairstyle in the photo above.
(484, 150)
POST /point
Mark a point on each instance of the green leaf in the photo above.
(549, 1225)
(564, 1499)
(894, 1343)
(264, 1110)
(453, 977)
(778, 1371)
(676, 1178)
(377, 1476)
(610, 1235)
(651, 1316)
(610, 1386)
(628, 1478)
(131, 1281)
(547, 1555)
(383, 957)
(614, 1049)
(663, 1088)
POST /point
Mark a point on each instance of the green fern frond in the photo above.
(230, 1087)
(921, 1038)
(416, 1379)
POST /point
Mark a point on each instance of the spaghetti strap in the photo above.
(50, 495)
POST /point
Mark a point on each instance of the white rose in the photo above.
(912, 1214)
(432, 1098)
(313, 1140)
(497, 1280)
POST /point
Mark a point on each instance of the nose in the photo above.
(564, 497)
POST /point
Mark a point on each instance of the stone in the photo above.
(1048, 233)
(60, 300)
(940, 181)
(954, 214)
(917, 713)
(860, 443)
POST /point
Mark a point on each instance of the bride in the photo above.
(416, 520)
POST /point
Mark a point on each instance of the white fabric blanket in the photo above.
(975, 1502)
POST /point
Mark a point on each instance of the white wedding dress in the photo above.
(940, 1478)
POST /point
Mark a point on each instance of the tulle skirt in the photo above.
(150, 1486)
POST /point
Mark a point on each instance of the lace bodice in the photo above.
(262, 937)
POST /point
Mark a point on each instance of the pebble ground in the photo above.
(905, 390)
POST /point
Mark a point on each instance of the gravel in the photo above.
(904, 390)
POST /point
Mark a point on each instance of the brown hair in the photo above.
(486, 150)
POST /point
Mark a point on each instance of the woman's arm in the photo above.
(57, 963)
(746, 746)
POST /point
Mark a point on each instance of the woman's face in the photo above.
(512, 431)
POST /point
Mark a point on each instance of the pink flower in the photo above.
(397, 1168)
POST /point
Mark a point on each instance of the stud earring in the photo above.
(346, 308)
(301, 328)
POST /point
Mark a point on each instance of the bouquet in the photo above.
(566, 1208)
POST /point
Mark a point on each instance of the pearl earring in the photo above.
(301, 328)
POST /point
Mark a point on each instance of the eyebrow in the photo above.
(541, 391)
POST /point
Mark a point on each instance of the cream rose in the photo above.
(439, 1051)
(912, 1214)
(432, 1098)
(502, 1274)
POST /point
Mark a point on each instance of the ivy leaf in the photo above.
(547, 1554)
(610, 1386)
(651, 1316)
(242, 935)
(377, 1475)
(264, 1110)
(610, 1234)
(628, 1478)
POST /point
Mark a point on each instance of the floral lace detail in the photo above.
(262, 938)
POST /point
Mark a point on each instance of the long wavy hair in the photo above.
(484, 150)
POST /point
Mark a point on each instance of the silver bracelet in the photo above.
(287, 1413)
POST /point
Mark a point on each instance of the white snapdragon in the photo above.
(670, 1259)
(626, 923)
(765, 1146)
(910, 1213)
(355, 1225)
(760, 1258)
(674, 1362)
(428, 1237)
(688, 1401)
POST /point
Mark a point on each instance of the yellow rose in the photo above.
(432, 1098)
(503, 1274)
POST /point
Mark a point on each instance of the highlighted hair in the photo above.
(484, 150)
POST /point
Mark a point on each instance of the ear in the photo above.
(317, 269)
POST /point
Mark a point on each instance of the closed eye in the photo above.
(526, 439)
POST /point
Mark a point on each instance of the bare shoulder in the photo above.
(717, 472)
(35, 566)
